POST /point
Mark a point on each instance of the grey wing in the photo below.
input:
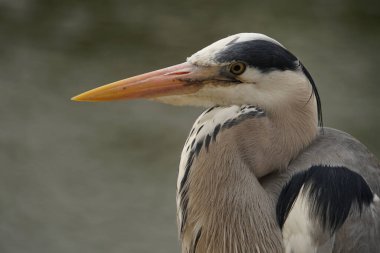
(359, 233)
(337, 148)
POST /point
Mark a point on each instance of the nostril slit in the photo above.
(177, 73)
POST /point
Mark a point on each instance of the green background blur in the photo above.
(101, 177)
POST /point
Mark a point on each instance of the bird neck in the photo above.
(281, 136)
(222, 207)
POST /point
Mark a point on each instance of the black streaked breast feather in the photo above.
(196, 146)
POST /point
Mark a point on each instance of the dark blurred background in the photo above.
(101, 177)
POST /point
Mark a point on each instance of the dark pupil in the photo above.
(237, 68)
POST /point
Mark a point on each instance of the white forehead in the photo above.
(206, 55)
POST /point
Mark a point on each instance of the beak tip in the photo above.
(76, 98)
(81, 98)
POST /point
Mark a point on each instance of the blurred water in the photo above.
(79, 177)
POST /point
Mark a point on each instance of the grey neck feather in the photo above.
(222, 206)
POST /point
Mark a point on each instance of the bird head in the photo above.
(246, 68)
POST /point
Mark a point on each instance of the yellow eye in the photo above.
(237, 68)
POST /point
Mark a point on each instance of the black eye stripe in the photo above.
(262, 54)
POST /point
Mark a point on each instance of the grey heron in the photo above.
(257, 172)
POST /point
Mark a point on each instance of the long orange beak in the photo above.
(174, 80)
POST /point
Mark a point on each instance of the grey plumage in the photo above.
(336, 148)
